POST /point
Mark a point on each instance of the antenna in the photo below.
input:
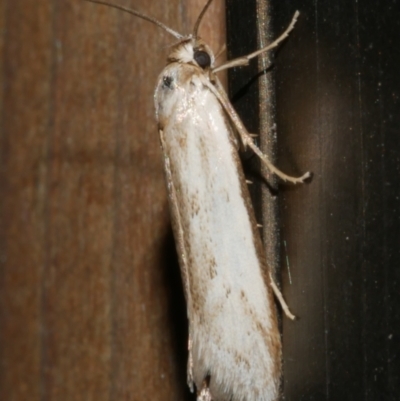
(200, 17)
(140, 15)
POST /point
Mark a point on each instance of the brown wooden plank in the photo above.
(77, 342)
(26, 66)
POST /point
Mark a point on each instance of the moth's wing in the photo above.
(179, 242)
(233, 328)
(176, 221)
(235, 337)
(217, 89)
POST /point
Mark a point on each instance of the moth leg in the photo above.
(264, 159)
(246, 138)
(244, 60)
(281, 300)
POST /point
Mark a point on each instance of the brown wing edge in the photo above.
(179, 242)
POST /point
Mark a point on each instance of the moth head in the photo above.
(192, 51)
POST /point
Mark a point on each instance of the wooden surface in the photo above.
(91, 305)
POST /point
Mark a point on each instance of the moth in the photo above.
(234, 342)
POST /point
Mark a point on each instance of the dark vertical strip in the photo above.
(337, 96)
(268, 137)
(241, 40)
(241, 27)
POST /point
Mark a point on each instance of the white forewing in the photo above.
(233, 329)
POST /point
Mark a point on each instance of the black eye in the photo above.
(202, 58)
(167, 82)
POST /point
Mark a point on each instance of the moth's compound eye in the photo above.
(167, 82)
(202, 58)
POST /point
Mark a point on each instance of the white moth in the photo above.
(234, 342)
